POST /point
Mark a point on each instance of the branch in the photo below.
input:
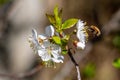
(78, 71)
(72, 58)
(65, 71)
(75, 63)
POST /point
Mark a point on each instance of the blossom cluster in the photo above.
(48, 50)
(51, 45)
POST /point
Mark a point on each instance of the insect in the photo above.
(94, 30)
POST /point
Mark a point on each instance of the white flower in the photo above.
(46, 50)
(50, 52)
(82, 34)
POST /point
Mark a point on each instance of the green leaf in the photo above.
(57, 40)
(51, 18)
(64, 52)
(116, 63)
(56, 11)
(60, 13)
(58, 22)
(69, 23)
(58, 17)
(64, 42)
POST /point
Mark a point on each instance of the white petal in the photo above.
(56, 56)
(80, 25)
(42, 36)
(49, 31)
(81, 35)
(80, 45)
(55, 53)
(34, 32)
(34, 38)
(40, 53)
(56, 47)
(46, 44)
(58, 60)
(44, 55)
(81, 32)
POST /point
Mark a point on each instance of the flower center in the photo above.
(40, 41)
(49, 49)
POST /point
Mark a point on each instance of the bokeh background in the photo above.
(19, 17)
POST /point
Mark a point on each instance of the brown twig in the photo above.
(65, 71)
(72, 58)
(75, 63)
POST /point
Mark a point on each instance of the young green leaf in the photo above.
(116, 63)
(60, 13)
(51, 18)
(69, 23)
(58, 22)
(57, 40)
(56, 11)
(58, 19)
